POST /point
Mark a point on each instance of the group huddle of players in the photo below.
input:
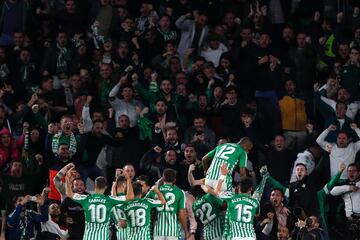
(224, 214)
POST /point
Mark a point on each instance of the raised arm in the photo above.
(68, 191)
(273, 182)
(85, 115)
(160, 196)
(183, 22)
(129, 188)
(321, 139)
(43, 216)
(58, 178)
(260, 188)
(191, 179)
(334, 180)
(357, 130)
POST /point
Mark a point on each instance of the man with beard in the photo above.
(190, 157)
(200, 135)
(305, 194)
(343, 151)
(53, 224)
(283, 217)
(174, 102)
(74, 212)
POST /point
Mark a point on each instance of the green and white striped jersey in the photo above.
(167, 223)
(240, 213)
(207, 210)
(117, 214)
(241, 210)
(97, 209)
(137, 213)
(230, 153)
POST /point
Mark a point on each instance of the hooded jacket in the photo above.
(8, 153)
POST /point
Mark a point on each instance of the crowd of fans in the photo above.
(141, 86)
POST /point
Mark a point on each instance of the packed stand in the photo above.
(114, 97)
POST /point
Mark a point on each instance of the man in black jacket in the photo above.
(91, 144)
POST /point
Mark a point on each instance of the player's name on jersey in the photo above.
(137, 204)
(100, 200)
(247, 199)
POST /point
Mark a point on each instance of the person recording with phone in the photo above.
(21, 221)
(309, 229)
(350, 192)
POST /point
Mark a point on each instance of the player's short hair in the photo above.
(120, 180)
(137, 188)
(143, 178)
(245, 141)
(169, 175)
(245, 184)
(100, 183)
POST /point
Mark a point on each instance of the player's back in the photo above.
(230, 153)
(167, 223)
(208, 210)
(241, 210)
(97, 208)
(118, 214)
(138, 217)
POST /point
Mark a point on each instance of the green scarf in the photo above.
(62, 59)
(59, 139)
(145, 128)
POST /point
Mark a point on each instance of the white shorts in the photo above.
(213, 184)
(165, 238)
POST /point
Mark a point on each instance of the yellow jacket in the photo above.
(293, 114)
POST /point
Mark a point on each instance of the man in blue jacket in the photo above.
(21, 221)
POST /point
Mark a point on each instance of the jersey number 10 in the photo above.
(97, 213)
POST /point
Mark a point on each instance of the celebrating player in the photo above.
(122, 183)
(242, 207)
(97, 208)
(138, 211)
(208, 210)
(167, 224)
(230, 153)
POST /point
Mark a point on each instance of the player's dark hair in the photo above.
(120, 180)
(169, 175)
(137, 188)
(144, 179)
(245, 184)
(100, 183)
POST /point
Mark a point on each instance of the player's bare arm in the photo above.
(206, 160)
(183, 222)
(68, 191)
(159, 194)
(224, 172)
